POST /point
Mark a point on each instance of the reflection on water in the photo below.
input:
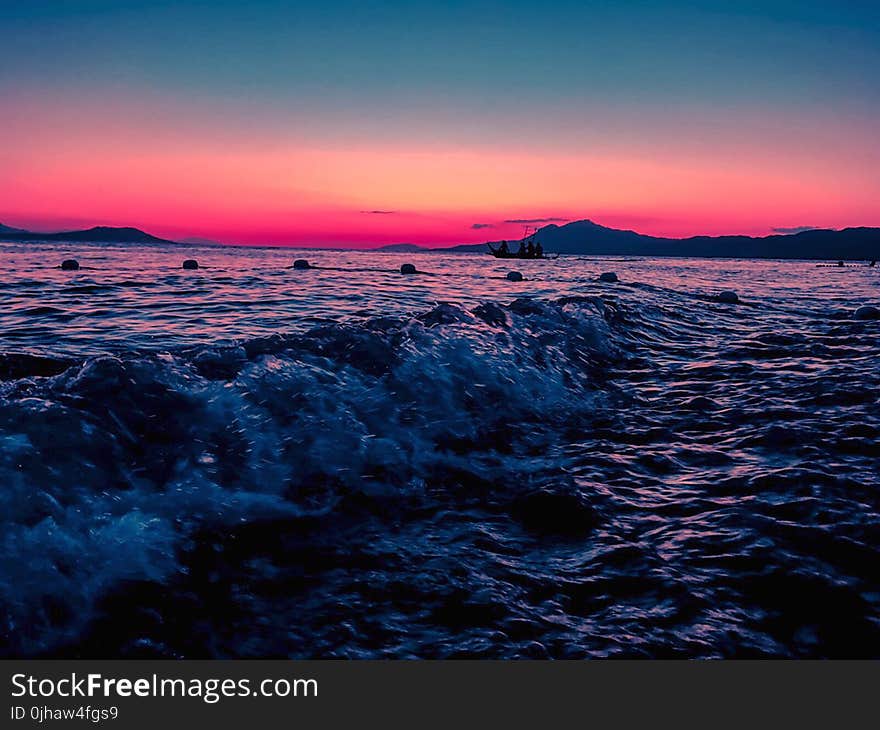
(127, 297)
(248, 460)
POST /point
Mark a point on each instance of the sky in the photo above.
(363, 123)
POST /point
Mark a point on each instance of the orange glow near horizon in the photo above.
(81, 170)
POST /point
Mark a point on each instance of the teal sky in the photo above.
(659, 80)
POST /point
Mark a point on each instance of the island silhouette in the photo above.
(583, 237)
(587, 238)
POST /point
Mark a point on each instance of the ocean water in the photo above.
(253, 461)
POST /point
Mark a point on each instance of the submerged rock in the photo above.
(301, 264)
(70, 265)
(728, 297)
(514, 276)
(408, 269)
(190, 264)
(867, 312)
(609, 277)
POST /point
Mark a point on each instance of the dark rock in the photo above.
(867, 312)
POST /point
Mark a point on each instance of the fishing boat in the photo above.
(529, 249)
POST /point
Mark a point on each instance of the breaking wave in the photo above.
(568, 478)
(112, 466)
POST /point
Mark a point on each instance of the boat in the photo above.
(528, 238)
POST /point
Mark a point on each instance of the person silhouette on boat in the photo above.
(539, 251)
(503, 249)
(521, 251)
(530, 250)
(873, 263)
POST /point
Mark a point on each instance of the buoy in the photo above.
(514, 276)
(867, 312)
(190, 264)
(609, 276)
(408, 269)
(301, 264)
(70, 265)
(728, 297)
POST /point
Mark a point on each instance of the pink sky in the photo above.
(68, 165)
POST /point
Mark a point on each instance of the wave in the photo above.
(115, 468)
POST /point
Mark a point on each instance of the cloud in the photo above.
(379, 212)
(536, 220)
(478, 226)
(795, 229)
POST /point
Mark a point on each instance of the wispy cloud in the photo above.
(536, 220)
(795, 229)
(478, 226)
(379, 212)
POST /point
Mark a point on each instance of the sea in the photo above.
(252, 460)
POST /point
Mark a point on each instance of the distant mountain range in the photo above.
(98, 234)
(415, 248)
(591, 239)
(199, 241)
(585, 238)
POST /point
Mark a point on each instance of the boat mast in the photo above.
(529, 233)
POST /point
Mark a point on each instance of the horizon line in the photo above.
(774, 231)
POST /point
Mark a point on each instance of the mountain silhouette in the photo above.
(98, 234)
(588, 238)
(199, 241)
(401, 248)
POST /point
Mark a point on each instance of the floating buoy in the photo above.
(190, 264)
(301, 264)
(514, 276)
(70, 265)
(408, 269)
(728, 297)
(867, 312)
(609, 276)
